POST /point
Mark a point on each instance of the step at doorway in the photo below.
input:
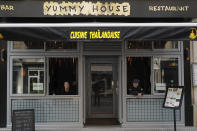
(101, 122)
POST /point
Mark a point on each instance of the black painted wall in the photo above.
(3, 88)
(187, 81)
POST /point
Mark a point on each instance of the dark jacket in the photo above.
(134, 91)
(70, 92)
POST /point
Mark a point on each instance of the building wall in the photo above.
(3, 88)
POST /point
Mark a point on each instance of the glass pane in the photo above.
(102, 93)
(63, 73)
(166, 44)
(26, 76)
(140, 45)
(165, 73)
(24, 45)
(138, 71)
(61, 45)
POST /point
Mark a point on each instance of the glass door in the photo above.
(102, 89)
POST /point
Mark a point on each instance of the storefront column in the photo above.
(194, 89)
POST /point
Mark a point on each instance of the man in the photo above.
(135, 89)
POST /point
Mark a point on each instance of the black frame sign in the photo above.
(99, 8)
(23, 120)
(173, 97)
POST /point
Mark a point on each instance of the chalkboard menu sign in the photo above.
(174, 96)
(23, 120)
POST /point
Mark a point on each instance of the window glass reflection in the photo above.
(24, 45)
(28, 76)
(165, 73)
(139, 44)
(61, 45)
(166, 44)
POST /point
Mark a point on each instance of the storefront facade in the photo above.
(117, 62)
(96, 63)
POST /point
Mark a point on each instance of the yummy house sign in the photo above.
(86, 8)
(99, 8)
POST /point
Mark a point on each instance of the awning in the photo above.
(98, 31)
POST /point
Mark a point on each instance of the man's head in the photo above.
(66, 86)
(136, 83)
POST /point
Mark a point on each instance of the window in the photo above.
(165, 73)
(61, 45)
(140, 45)
(28, 76)
(24, 45)
(63, 76)
(166, 44)
(139, 68)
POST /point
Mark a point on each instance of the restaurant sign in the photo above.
(98, 34)
(98, 8)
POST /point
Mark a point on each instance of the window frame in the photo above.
(11, 74)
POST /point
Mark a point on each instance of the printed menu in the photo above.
(173, 97)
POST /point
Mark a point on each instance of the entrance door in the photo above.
(102, 85)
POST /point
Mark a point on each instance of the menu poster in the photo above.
(174, 96)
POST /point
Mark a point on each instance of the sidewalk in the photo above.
(112, 129)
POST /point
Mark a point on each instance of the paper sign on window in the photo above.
(37, 86)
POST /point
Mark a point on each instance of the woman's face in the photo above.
(135, 84)
(67, 86)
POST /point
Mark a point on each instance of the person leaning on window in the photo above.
(67, 89)
(135, 89)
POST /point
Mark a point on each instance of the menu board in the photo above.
(173, 97)
(23, 120)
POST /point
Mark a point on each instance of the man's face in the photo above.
(135, 84)
(67, 86)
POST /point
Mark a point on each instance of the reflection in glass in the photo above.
(63, 76)
(140, 45)
(102, 93)
(24, 45)
(165, 73)
(28, 76)
(166, 44)
(61, 45)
